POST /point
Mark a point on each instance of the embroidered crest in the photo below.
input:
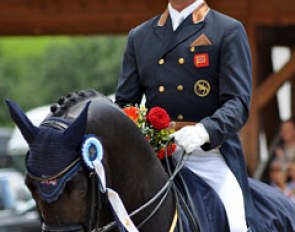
(49, 190)
(50, 182)
(91, 150)
(202, 88)
(201, 60)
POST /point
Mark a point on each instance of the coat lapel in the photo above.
(163, 28)
(187, 29)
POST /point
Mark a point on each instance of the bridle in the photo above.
(161, 196)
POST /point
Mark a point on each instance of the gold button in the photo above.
(161, 89)
(180, 88)
(161, 61)
(181, 60)
(192, 49)
(180, 117)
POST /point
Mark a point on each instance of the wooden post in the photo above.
(250, 133)
(269, 110)
(272, 83)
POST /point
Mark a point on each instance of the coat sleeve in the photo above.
(128, 89)
(235, 88)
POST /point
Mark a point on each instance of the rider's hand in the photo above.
(190, 138)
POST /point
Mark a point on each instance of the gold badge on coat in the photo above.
(202, 88)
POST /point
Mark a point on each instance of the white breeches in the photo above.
(211, 167)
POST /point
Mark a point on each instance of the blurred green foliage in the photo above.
(37, 71)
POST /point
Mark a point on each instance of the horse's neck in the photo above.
(137, 163)
(137, 175)
(132, 168)
(131, 160)
(132, 165)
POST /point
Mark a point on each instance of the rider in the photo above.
(195, 62)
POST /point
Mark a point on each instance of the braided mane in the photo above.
(65, 102)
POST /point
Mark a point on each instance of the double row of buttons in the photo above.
(180, 61)
(180, 88)
(162, 88)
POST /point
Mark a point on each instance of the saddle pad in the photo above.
(210, 211)
(276, 211)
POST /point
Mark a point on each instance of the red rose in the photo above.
(158, 117)
(170, 149)
(161, 154)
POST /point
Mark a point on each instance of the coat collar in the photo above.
(188, 28)
(163, 19)
(198, 15)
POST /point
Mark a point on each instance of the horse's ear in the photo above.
(28, 130)
(75, 132)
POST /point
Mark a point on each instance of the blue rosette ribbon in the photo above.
(91, 151)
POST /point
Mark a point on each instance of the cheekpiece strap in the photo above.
(92, 153)
(115, 200)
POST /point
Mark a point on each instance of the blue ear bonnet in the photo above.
(52, 149)
(49, 154)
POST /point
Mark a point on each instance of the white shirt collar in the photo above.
(177, 17)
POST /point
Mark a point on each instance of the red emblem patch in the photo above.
(201, 60)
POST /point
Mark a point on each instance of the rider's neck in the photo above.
(179, 5)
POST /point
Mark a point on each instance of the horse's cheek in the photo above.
(79, 196)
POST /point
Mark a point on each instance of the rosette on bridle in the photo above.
(52, 149)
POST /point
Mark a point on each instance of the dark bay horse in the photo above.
(68, 193)
(131, 166)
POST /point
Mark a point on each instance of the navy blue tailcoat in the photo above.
(201, 72)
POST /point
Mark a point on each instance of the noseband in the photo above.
(77, 228)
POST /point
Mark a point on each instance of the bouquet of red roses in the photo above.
(154, 124)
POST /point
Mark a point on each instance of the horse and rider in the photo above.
(195, 63)
(73, 196)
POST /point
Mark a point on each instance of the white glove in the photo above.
(190, 138)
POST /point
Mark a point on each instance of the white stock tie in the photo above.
(177, 21)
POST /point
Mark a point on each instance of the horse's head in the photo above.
(54, 167)
(66, 191)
